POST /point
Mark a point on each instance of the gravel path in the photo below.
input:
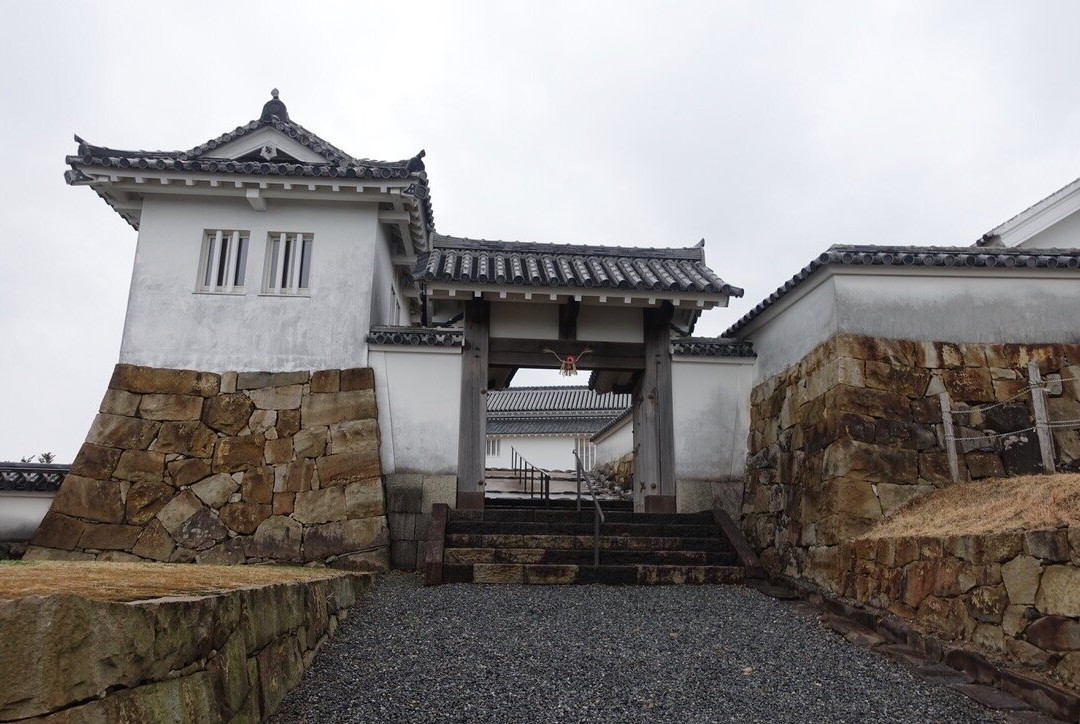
(473, 653)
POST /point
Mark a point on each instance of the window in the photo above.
(586, 451)
(493, 447)
(288, 263)
(223, 261)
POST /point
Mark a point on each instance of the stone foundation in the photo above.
(225, 657)
(854, 430)
(409, 500)
(186, 466)
(1014, 595)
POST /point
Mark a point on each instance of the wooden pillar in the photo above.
(657, 418)
(473, 420)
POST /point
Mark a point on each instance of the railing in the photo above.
(598, 517)
(528, 475)
(32, 477)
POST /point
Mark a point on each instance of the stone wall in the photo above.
(186, 466)
(225, 657)
(1015, 595)
(854, 430)
(409, 500)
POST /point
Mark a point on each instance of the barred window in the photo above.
(493, 447)
(223, 261)
(288, 263)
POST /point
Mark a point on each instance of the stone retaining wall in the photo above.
(409, 500)
(1016, 595)
(854, 430)
(224, 657)
(186, 466)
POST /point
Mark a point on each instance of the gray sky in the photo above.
(771, 129)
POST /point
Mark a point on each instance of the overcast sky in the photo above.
(770, 129)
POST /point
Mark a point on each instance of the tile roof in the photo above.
(613, 422)
(32, 477)
(477, 261)
(338, 164)
(556, 398)
(416, 336)
(578, 425)
(712, 347)
(960, 257)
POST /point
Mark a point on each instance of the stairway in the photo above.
(530, 543)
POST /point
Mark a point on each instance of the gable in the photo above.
(1053, 223)
(265, 144)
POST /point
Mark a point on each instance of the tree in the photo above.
(45, 457)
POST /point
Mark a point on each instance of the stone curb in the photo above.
(961, 669)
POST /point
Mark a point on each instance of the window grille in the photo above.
(586, 452)
(493, 447)
(288, 263)
(223, 261)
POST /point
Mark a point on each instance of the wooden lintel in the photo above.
(568, 316)
(514, 352)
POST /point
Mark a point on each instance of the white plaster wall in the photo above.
(21, 513)
(1021, 306)
(711, 399)
(169, 325)
(610, 324)
(387, 303)
(616, 442)
(1065, 234)
(523, 319)
(418, 392)
(554, 452)
(794, 327)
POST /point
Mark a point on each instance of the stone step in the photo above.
(562, 502)
(634, 530)
(570, 574)
(585, 515)
(585, 557)
(714, 542)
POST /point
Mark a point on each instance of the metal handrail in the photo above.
(598, 517)
(526, 473)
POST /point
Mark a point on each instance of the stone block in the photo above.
(403, 554)
(144, 500)
(59, 531)
(870, 402)
(441, 489)
(331, 407)
(405, 493)
(232, 454)
(326, 381)
(974, 355)
(354, 436)
(244, 517)
(263, 422)
(969, 384)
(140, 466)
(278, 451)
(215, 490)
(201, 530)
(987, 603)
(227, 553)
(190, 438)
(403, 526)
(95, 461)
(257, 485)
(1069, 670)
(938, 355)
(133, 378)
(300, 476)
(1014, 621)
(910, 381)
(893, 496)
(128, 433)
(228, 414)
(174, 513)
(498, 573)
(320, 506)
(910, 435)
(348, 467)
(228, 382)
(946, 617)
(1027, 654)
(934, 467)
(1055, 633)
(154, 542)
(183, 473)
(109, 536)
(365, 498)
(1047, 545)
(357, 378)
(1059, 591)
(90, 499)
(284, 503)
(259, 380)
(311, 442)
(119, 402)
(278, 537)
(984, 465)
(346, 536)
(277, 398)
(170, 407)
(989, 636)
(897, 352)
(875, 463)
(373, 561)
(288, 423)
(280, 669)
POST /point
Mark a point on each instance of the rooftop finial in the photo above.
(274, 107)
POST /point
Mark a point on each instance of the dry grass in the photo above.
(135, 581)
(1030, 502)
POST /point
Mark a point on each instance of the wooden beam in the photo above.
(568, 315)
(473, 415)
(657, 436)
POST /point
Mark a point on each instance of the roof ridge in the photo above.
(444, 241)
